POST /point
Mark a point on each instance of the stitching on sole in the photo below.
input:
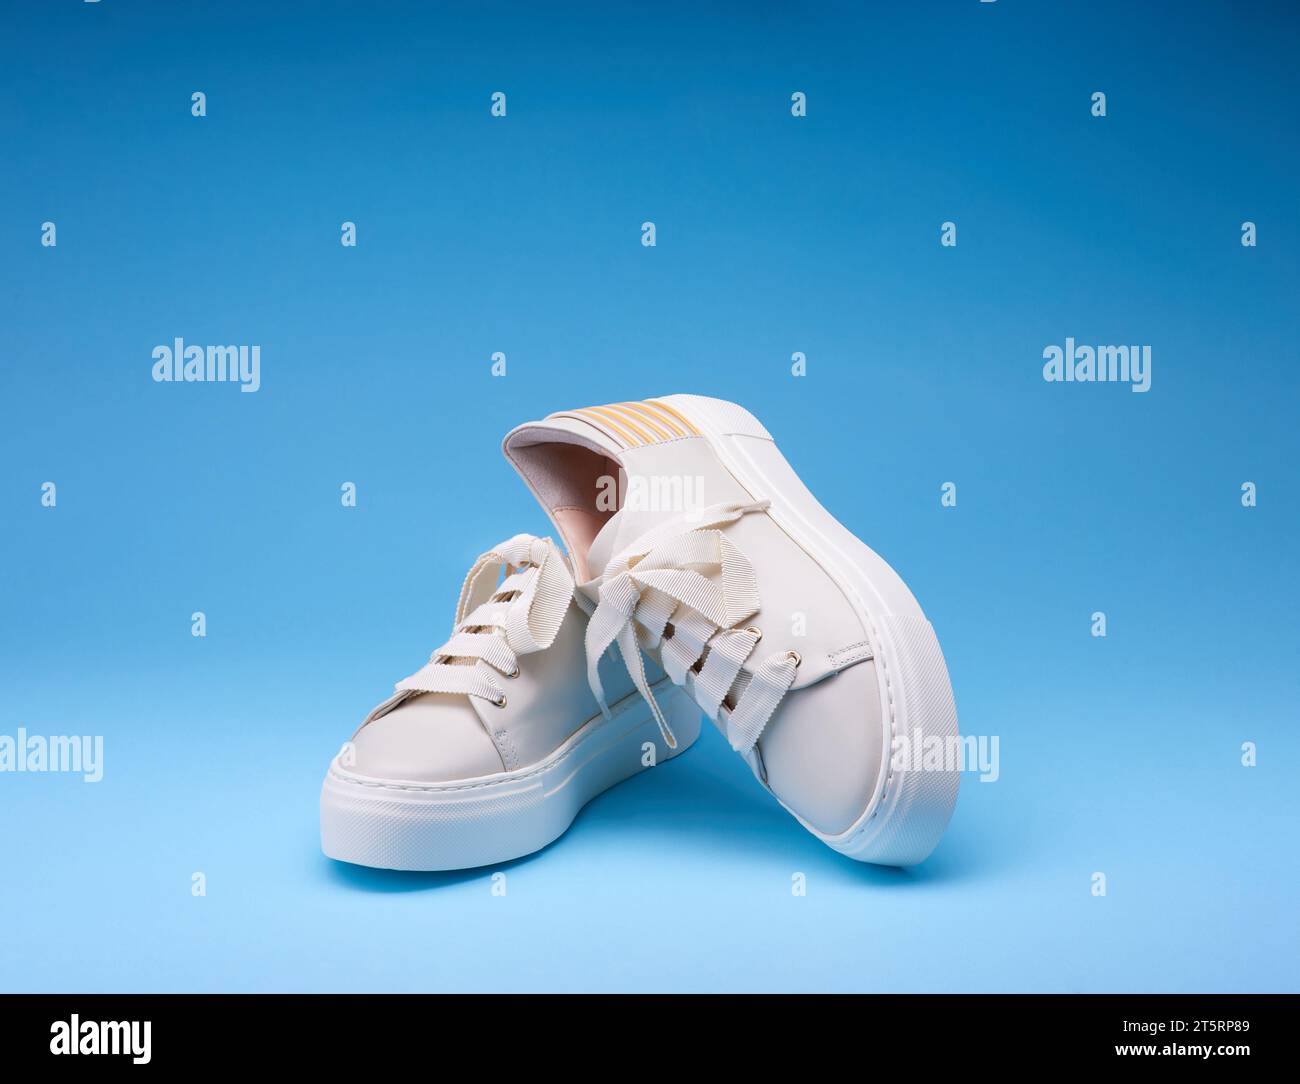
(879, 657)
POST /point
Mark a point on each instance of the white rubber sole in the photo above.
(390, 824)
(910, 806)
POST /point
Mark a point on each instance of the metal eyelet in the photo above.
(795, 657)
(499, 703)
(758, 633)
(514, 673)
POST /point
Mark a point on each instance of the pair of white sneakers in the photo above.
(701, 578)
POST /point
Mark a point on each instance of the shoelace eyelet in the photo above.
(795, 657)
(499, 703)
(758, 633)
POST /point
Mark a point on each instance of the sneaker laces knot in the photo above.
(684, 588)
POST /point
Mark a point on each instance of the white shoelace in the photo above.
(496, 624)
(688, 574)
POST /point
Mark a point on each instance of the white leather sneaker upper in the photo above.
(696, 551)
(691, 568)
(506, 689)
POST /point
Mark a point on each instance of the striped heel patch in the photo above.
(635, 425)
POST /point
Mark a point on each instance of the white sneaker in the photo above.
(489, 751)
(802, 645)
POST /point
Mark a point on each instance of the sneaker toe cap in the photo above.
(431, 738)
(824, 749)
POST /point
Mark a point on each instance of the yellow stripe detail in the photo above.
(660, 423)
(578, 415)
(675, 413)
(624, 437)
(637, 424)
(628, 419)
(634, 436)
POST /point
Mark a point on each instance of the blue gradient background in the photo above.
(522, 235)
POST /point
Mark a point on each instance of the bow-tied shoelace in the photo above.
(685, 588)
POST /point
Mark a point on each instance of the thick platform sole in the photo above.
(392, 824)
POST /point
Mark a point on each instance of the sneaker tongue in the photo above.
(602, 548)
(619, 532)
